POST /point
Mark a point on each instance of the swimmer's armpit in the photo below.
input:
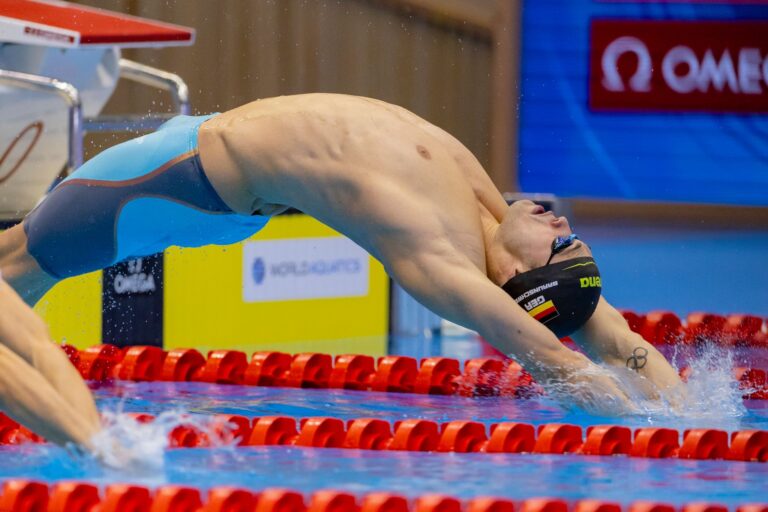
(638, 359)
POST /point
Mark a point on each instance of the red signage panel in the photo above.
(710, 66)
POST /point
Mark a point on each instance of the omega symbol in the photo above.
(641, 79)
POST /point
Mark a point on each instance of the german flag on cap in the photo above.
(574, 284)
(544, 312)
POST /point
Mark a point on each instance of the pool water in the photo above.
(516, 476)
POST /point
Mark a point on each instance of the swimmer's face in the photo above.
(527, 232)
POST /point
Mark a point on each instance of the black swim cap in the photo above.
(562, 295)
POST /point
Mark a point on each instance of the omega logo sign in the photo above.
(641, 79)
(666, 65)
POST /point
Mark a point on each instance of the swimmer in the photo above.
(39, 387)
(401, 188)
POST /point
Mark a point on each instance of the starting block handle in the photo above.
(153, 77)
(69, 94)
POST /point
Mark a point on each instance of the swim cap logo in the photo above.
(258, 270)
(591, 282)
(533, 303)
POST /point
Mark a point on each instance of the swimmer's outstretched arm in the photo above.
(447, 282)
(25, 334)
(607, 337)
(29, 399)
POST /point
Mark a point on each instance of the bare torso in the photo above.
(375, 172)
(410, 194)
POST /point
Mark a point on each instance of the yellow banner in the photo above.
(206, 307)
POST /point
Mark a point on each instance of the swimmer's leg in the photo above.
(26, 335)
(20, 269)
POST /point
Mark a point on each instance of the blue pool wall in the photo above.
(684, 270)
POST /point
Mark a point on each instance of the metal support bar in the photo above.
(154, 77)
(71, 96)
(126, 123)
(151, 77)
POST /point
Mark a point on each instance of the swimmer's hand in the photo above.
(607, 338)
(674, 394)
(593, 390)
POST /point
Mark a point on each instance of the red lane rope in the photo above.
(664, 327)
(32, 496)
(457, 436)
(433, 375)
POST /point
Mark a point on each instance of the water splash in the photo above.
(136, 447)
(712, 389)
(711, 397)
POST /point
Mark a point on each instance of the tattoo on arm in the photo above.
(638, 359)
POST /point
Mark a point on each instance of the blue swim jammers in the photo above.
(134, 199)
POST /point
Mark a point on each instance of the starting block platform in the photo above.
(59, 65)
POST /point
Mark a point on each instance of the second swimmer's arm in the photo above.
(25, 334)
(29, 399)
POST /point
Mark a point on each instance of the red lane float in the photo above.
(454, 436)
(31, 496)
(395, 373)
(97, 363)
(352, 372)
(662, 328)
(749, 445)
(177, 498)
(482, 377)
(268, 369)
(544, 505)
(706, 327)
(745, 330)
(597, 506)
(656, 443)
(321, 433)
(651, 506)
(11, 432)
(181, 364)
(437, 503)
(368, 434)
(511, 438)
(558, 438)
(223, 367)
(140, 364)
(607, 440)
(435, 375)
(310, 371)
(635, 321)
(490, 505)
(415, 436)
(702, 443)
(753, 381)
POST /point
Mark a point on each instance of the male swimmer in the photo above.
(403, 189)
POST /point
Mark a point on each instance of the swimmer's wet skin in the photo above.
(39, 387)
(451, 242)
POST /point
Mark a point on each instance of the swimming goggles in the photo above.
(561, 243)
